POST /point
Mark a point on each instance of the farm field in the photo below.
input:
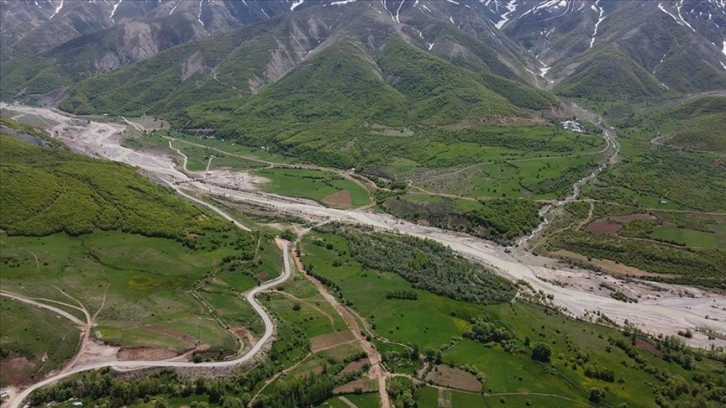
(676, 200)
(313, 184)
(578, 348)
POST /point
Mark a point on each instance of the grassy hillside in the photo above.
(699, 124)
(104, 235)
(609, 74)
(46, 190)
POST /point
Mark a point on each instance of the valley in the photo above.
(395, 203)
(657, 313)
(661, 309)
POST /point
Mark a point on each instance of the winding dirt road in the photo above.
(17, 401)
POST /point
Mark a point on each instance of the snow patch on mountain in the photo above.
(57, 9)
(680, 4)
(398, 10)
(115, 6)
(296, 3)
(660, 6)
(601, 17)
(511, 8)
(555, 4)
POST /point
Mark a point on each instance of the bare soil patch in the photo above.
(16, 371)
(618, 269)
(363, 385)
(354, 366)
(315, 371)
(341, 197)
(649, 347)
(146, 354)
(611, 225)
(331, 339)
(454, 378)
(604, 227)
(261, 275)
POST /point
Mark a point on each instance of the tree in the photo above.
(541, 352)
(160, 403)
(596, 395)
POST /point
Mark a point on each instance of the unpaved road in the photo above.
(17, 400)
(374, 357)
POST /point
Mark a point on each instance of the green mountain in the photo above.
(699, 124)
(609, 74)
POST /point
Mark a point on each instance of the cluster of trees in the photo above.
(484, 332)
(499, 220)
(601, 373)
(402, 294)
(235, 392)
(426, 264)
(46, 190)
(402, 392)
(102, 385)
(706, 388)
(298, 392)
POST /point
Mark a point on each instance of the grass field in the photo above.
(145, 281)
(33, 342)
(313, 184)
(689, 237)
(438, 323)
(97, 233)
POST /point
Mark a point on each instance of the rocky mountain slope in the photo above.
(580, 48)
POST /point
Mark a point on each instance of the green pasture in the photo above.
(145, 282)
(42, 337)
(689, 237)
(436, 322)
(312, 184)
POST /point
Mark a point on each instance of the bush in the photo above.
(541, 352)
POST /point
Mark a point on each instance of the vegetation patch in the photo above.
(313, 184)
(453, 377)
(325, 341)
(425, 264)
(33, 342)
(499, 220)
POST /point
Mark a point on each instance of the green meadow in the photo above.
(432, 322)
(313, 184)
